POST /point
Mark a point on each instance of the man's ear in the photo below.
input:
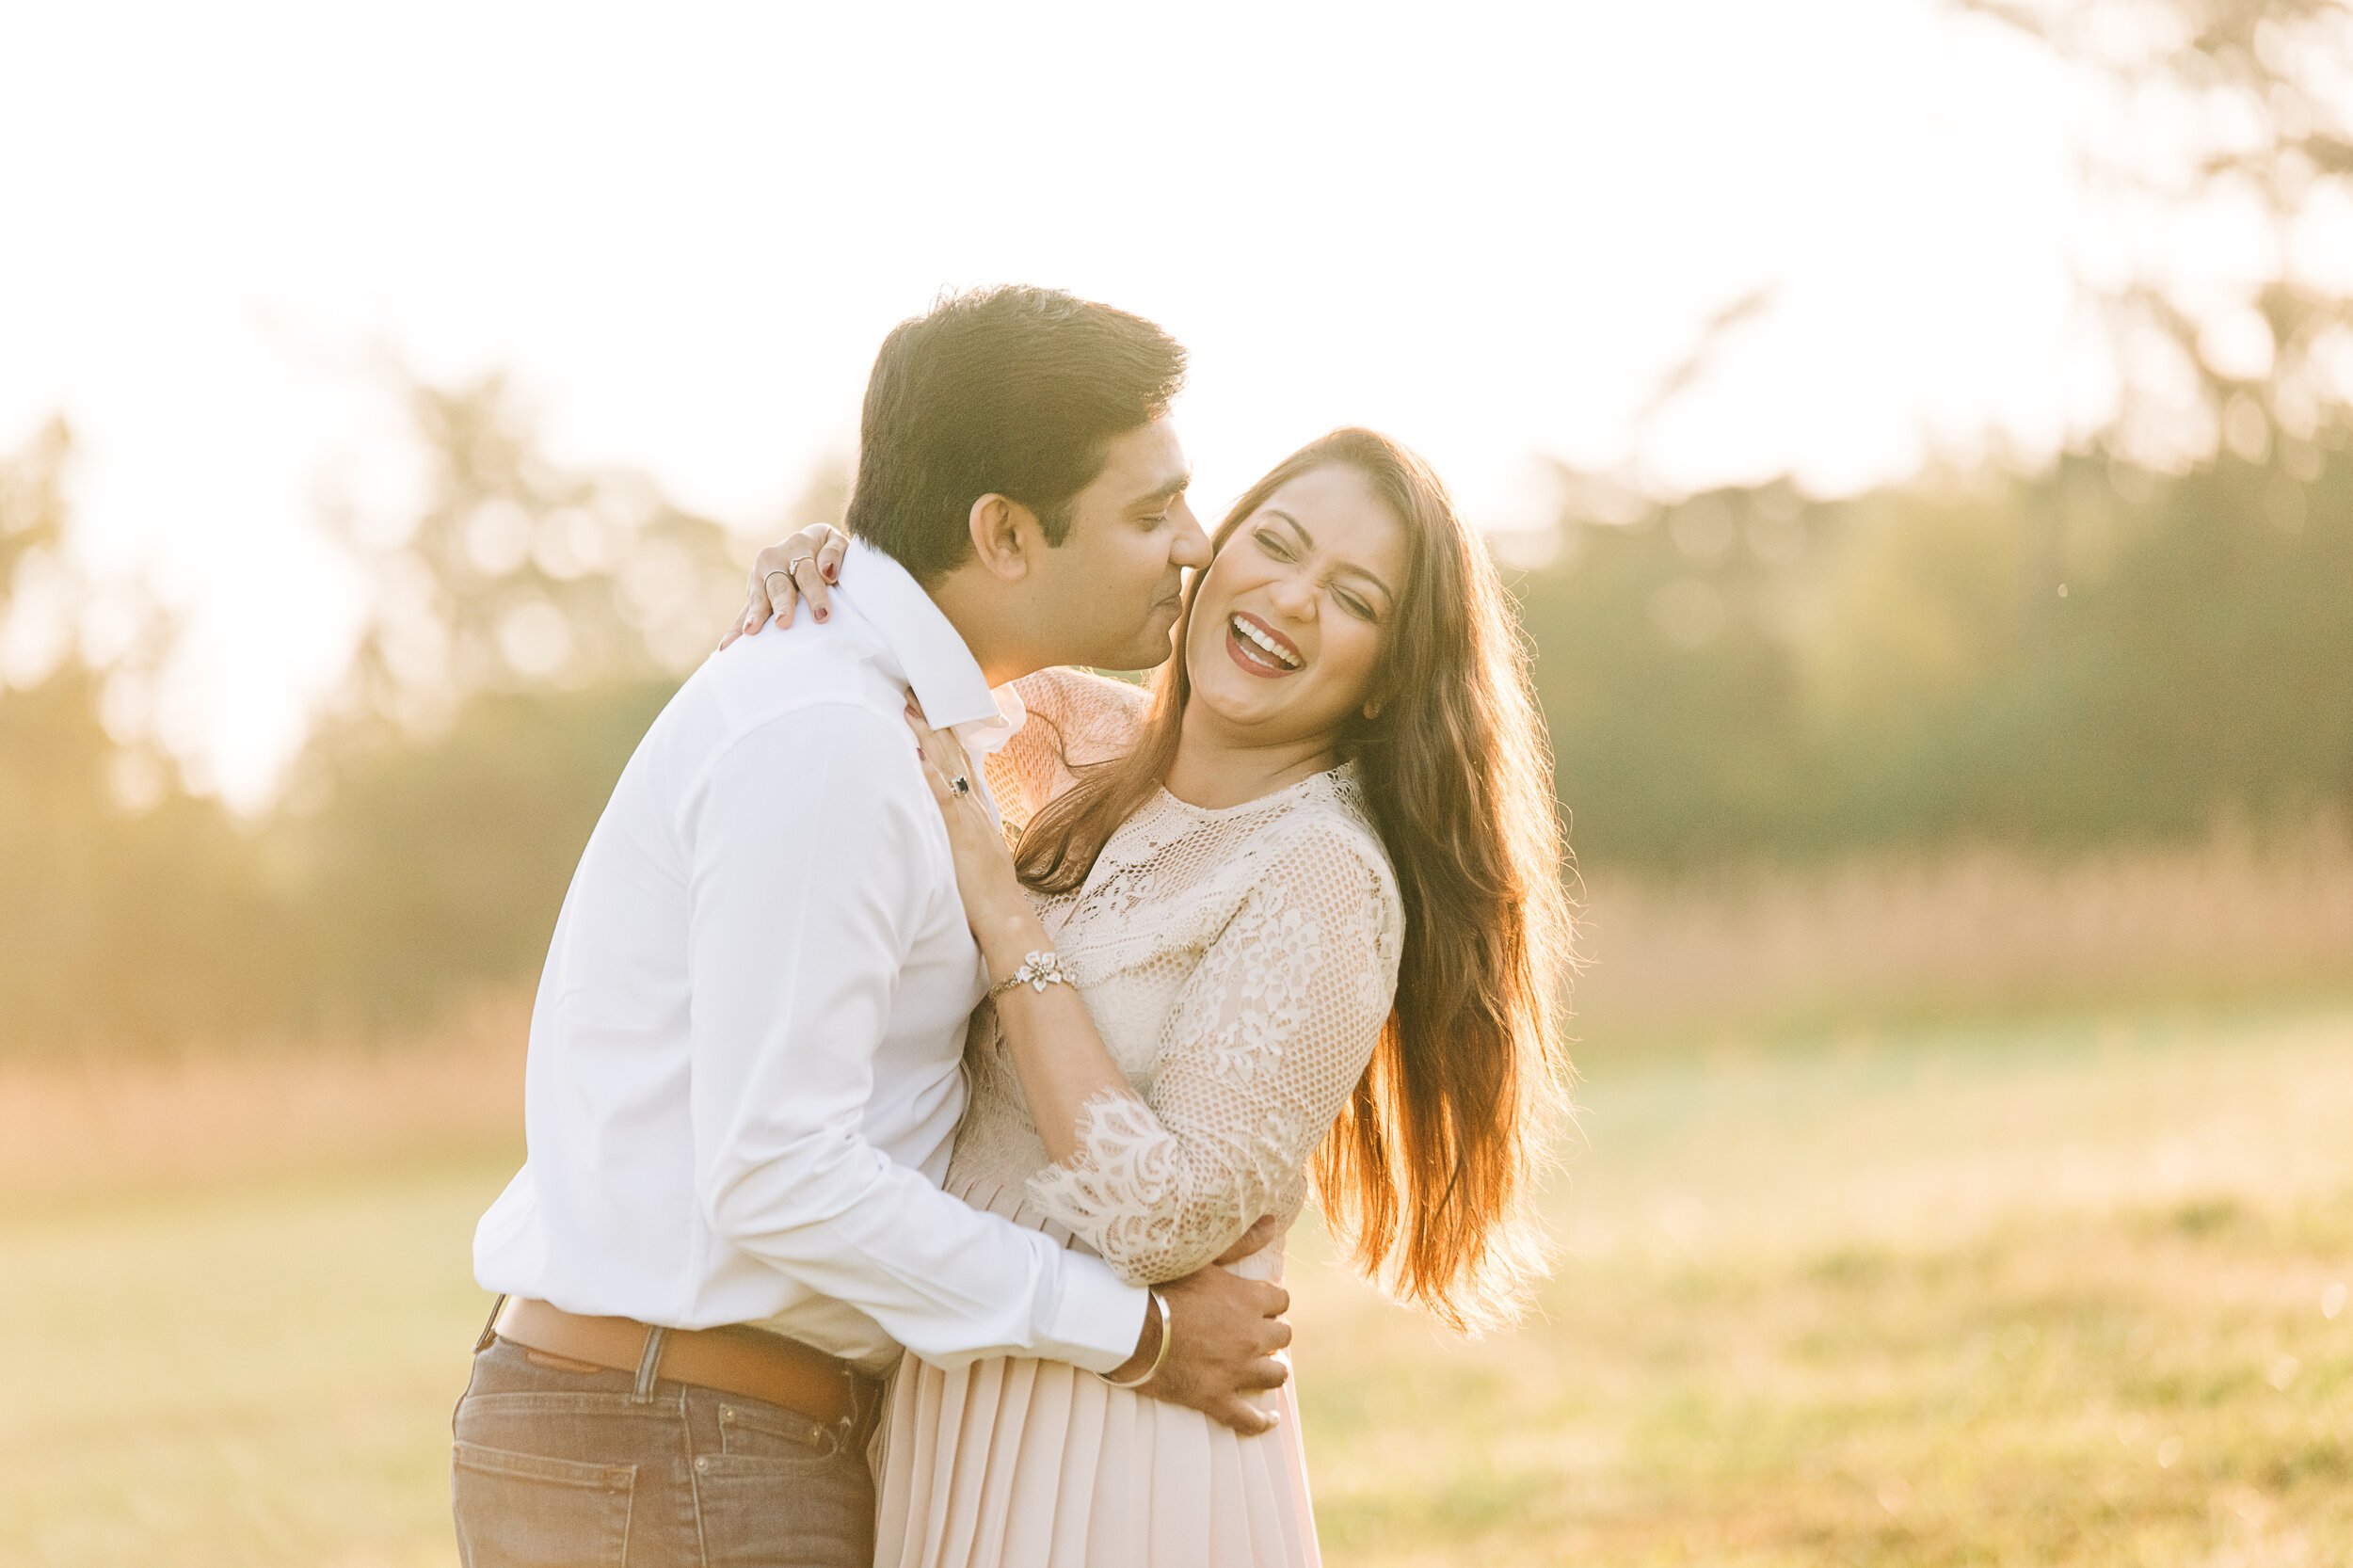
(1005, 536)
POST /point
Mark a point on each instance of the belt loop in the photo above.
(649, 1365)
(489, 1326)
(847, 1429)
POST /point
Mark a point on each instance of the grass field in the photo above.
(2052, 1294)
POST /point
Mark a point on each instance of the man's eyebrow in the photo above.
(1174, 486)
(1310, 541)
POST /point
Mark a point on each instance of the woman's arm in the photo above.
(1267, 1041)
(1056, 1082)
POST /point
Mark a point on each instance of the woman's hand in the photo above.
(785, 574)
(994, 905)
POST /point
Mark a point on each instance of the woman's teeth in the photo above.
(1267, 645)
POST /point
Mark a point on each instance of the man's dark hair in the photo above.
(1014, 391)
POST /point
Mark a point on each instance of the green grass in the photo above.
(240, 1377)
(2056, 1297)
(2046, 1296)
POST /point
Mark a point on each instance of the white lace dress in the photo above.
(1240, 964)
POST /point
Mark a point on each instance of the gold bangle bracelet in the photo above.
(1167, 1337)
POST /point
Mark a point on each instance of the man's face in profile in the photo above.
(1110, 595)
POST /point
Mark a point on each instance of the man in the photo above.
(744, 1065)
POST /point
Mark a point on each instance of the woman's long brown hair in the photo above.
(1430, 1176)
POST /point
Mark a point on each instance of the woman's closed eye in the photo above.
(1281, 548)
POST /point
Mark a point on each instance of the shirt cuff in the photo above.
(1099, 1319)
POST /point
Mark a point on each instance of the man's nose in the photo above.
(1191, 547)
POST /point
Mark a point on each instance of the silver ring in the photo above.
(961, 785)
(792, 567)
(778, 572)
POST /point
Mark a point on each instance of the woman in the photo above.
(1298, 909)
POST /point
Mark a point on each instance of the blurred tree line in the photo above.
(2071, 658)
(2152, 634)
(523, 629)
(2084, 656)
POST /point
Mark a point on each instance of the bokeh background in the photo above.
(1917, 434)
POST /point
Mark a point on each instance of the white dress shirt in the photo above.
(746, 1064)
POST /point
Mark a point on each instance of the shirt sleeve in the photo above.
(1269, 1037)
(815, 854)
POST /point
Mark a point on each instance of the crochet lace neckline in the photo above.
(1337, 774)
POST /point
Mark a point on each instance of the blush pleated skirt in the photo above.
(1023, 1463)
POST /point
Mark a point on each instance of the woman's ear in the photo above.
(1005, 534)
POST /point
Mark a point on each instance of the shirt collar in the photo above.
(948, 682)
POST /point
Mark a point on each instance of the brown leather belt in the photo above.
(749, 1362)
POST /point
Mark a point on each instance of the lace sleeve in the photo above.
(1074, 718)
(1267, 1040)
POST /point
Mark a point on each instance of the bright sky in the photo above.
(1486, 230)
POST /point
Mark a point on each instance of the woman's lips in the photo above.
(1250, 657)
(1255, 623)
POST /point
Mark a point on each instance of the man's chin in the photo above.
(1148, 649)
(1152, 653)
(1130, 662)
(1144, 647)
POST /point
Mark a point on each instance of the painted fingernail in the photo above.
(821, 615)
(832, 574)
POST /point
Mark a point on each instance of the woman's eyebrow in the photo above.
(1304, 537)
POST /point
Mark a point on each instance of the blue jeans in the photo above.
(559, 1469)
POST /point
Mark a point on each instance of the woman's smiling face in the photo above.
(1290, 619)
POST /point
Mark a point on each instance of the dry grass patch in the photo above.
(92, 1129)
(1992, 933)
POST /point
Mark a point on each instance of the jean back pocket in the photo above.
(524, 1511)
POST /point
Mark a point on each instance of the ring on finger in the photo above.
(961, 785)
(792, 567)
(780, 571)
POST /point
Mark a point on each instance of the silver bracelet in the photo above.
(1037, 971)
(1167, 1337)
